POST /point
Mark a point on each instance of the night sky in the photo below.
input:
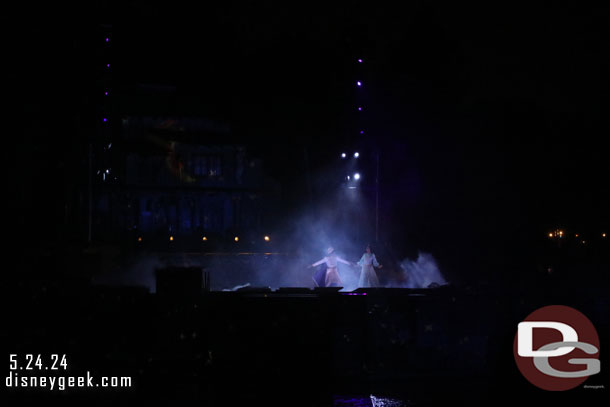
(490, 119)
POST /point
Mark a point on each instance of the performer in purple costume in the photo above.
(331, 278)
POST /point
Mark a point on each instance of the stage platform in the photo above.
(289, 346)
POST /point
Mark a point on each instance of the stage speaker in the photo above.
(294, 290)
(206, 281)
(250, 289)
(326, 290)
(179, 282)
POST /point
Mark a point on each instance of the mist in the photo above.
(422, 272)
(341, 220)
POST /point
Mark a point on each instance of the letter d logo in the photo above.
(526, 339)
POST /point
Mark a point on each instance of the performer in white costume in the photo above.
(368, 262)
(332, 278)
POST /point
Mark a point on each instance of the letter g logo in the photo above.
(560, 334)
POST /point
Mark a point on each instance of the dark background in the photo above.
(490, 120)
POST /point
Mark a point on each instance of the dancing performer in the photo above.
(331, 279)
(368, 262)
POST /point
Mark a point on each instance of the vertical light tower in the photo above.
(100, 144)
(362, 108)
(105, 119)
(377, 197)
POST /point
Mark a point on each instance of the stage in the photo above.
(289, 346)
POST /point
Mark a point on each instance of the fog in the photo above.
(421, 272)
(342, 221)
